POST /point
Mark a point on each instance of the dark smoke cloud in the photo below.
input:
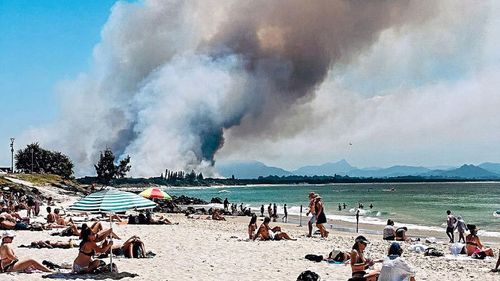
(171, 76)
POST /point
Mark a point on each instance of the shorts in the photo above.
(450, 229)
(313, 219)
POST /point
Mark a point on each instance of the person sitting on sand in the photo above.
(131, 248)
(161, 220)
(473, 244)
(50, 245)
(394, 267)
(401, 234)
(359, 264)
(9, 261)
(51, 217)
(84, 262)
(265, 232)
(389, 232)
(216, 215)
(252, 226)
(60, 220)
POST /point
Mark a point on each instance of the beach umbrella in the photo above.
(155, 193)
(111, 201)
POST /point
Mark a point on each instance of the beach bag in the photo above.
(315, 258)
(133, 219)
(433, 252)
(308, 276)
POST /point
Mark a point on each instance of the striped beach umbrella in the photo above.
(111, 201)
(155, 193)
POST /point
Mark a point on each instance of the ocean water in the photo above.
(418, 205)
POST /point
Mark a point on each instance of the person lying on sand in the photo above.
(96, 228)
(395, 267)
(84, 262)
(359, 264)
(161, 220)
(50, 245)
(265, 232)
(473, 244)
(132, 248)
(338, 256)
(9, 261)
(60, 220)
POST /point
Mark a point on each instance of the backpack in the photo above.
(308, 276)
(315, 258)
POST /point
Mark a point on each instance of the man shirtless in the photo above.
(266, 233)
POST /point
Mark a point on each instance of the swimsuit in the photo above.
(9, 266)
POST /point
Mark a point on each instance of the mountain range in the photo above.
(255, 169)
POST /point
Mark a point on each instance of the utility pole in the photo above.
(12, 153)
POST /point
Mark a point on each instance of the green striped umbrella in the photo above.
(111, 201)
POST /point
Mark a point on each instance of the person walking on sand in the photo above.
(262, 210)
(320, 216)
(461, 227)
(285, 216)
(226, 204)
(312, 211)
(270, 210)
(450, 226)
(275, 212)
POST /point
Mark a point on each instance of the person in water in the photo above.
(9, 261)
(84, 262)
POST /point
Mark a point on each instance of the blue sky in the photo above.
(42, 43)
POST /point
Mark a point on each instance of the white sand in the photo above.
(217, 250)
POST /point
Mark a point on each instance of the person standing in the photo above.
(320, 216)
(270, 211)
(450, 226)
(311, 211)
(285, 217)
(340, 207)
(275, 212)
(226, 204)
(461, 227)
(344, 206)
(262, 210)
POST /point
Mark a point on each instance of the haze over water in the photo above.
(422, 204)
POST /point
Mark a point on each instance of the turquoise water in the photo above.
(421, 204)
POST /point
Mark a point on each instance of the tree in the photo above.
(39, 160)
(106, 168)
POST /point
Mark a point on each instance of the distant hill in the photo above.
(249, 170)
(491, 167)
(255, 169)
(464, 172)
(328, 169)
(394, 171)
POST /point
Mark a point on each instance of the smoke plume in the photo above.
(169, 77)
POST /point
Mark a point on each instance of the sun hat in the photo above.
(8, 233)
(362, 239)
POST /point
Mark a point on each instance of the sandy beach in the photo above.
(199, 249)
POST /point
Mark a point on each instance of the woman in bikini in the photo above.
(84, 262)
(359, 264)
(252, 226)
(473, 245)
(10, 263)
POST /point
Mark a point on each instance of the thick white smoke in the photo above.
(169, 77)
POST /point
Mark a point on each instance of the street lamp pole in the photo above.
(32, 160)
(12, 153)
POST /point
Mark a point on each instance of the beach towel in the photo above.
(100, 276)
